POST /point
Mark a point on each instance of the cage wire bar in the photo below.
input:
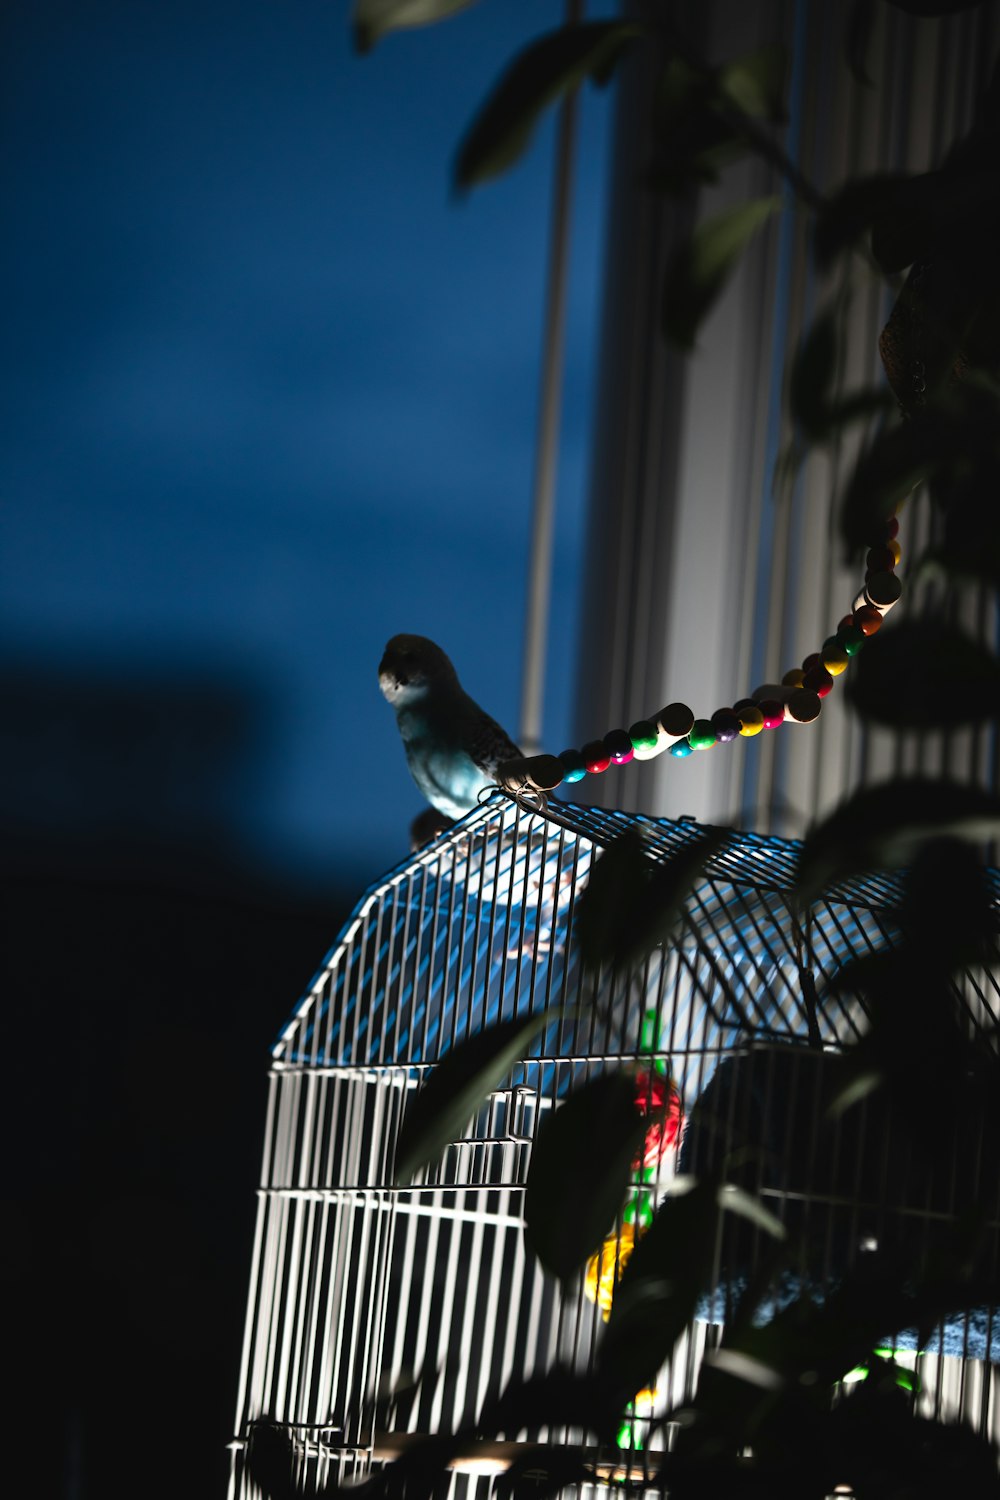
(377, 1312)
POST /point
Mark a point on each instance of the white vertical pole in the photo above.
(540, 562)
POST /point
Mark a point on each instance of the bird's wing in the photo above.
(488, 744)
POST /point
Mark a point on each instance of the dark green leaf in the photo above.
(883, 826)
(903, 231)
(930, 216)
(658, 1293)
(858, 406)
(812, 376)
(698, 270)
(810, 391)
(463, 1078)
(846, 216)
(579, 1173)
(934, 7)
(860, 1078)
(658, 911)
(954, 443)
(372, 19)
(271, 1462)
(825, 1341)
(973, 556)
(859, 30)
(737, 1201)
(691, 142)
(421, 1470)
(756, 83)
(885, 473)
(947, 914)
(617, 881)
(925, 674)
(543, 1472)
(558, 1397)
(631, 904)
(970, 547)
(873, 1437)
(536, 78)
(682, 85)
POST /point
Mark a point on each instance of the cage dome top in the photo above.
(477, 926)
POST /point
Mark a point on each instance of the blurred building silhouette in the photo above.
(128, 765)
(152, 943)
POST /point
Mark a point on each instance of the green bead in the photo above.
(702, 735)
(643, 735)
(850, 638)
(639, 1211)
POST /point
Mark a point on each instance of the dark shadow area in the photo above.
(151, 961)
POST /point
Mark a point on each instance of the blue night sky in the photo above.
(271, 391)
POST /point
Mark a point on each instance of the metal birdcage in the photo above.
(377, 1312)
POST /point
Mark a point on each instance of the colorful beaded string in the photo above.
(656, 1096)
(797, 699)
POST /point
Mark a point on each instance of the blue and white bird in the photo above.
(452, 747)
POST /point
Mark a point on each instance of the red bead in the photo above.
(892, 527)
(595, 757)
(847, 620)
(812, 661)
(773, 711)
(818, 681)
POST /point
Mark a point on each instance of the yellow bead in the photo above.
(834, 659)
(606, 1265)
(894, 548)
(751, 721)
(793, 679)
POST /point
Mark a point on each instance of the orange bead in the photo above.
(867, 619)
